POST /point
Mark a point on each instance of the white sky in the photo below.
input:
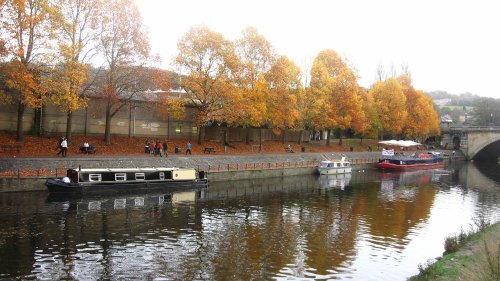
(448, 45)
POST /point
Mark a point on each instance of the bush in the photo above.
(451, 244)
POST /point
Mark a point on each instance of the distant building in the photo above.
(446, 119)
(141, 117)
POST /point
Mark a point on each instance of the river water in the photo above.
(366, 226)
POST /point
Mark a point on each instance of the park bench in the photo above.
(209, 150)
(90, 149)
(10, 147)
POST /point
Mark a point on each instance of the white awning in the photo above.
(401, 143)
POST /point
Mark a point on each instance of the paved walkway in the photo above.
(202, 161)
(178, 160)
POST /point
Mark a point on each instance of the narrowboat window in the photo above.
(140, 176)
(95, 177)
(162, 175)
(120, 177)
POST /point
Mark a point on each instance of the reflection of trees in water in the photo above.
(396, 205)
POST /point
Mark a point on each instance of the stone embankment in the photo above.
(218, 167)
(176, 160)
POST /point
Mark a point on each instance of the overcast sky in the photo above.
(448, 45)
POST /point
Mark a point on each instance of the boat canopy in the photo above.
(402, 143)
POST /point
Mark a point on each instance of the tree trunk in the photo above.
(86, 120)
(260, 139)
(37, 122)
(328, 133)
(69, 125)
(20, 121)
(283, 137)
(247, 135)
(201, 135)
(107, 130)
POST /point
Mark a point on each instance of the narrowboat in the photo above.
(416, 160)
(126, 179)
(331, 167)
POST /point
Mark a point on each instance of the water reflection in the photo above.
(364, 226)
(335, 181)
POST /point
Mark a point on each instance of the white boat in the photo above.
(331, 167)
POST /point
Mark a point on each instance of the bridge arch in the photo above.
(484, 146)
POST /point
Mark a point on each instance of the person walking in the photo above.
(160, 147)
(188, 148)
(64, 147)
(165, 147)
(146, 146)
(59, 147)
(152, 147)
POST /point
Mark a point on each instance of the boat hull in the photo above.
(334, 171)
(391, 164)
(57, 186)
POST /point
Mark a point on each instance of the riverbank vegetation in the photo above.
(236, 83)
(472, 255)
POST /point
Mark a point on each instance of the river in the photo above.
(365, 226)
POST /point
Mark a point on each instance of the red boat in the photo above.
(414, 161)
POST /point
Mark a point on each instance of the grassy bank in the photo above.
(471, 256)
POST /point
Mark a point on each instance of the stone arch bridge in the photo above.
(477, 143)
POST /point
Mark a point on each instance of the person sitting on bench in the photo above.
(86, 147)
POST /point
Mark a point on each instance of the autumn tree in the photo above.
(363, 124)
(208, 62)
(282, 99)
(76, 24)
(125, 48)
(390, 104)
(164, 98)
(422, 119)
(257, 56)
(335, 88)
(26, 32)
(3, 48)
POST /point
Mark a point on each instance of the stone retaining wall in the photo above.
(202, 161)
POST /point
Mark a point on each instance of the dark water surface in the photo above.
(366, 226)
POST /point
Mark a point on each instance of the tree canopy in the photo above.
(47, 48)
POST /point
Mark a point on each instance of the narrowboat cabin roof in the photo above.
(160, 169)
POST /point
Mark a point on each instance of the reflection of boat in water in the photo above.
(333, 181)
(125, 179)
(413, 177)
(94, 203)
(332, 167)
